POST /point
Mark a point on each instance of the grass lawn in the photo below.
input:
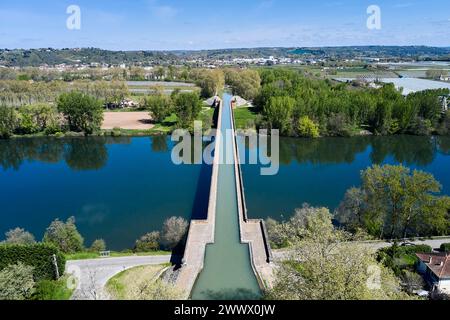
(123, 285)
(95, 255)
(245, 117)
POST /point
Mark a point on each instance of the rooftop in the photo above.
(438, 263)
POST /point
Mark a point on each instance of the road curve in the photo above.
(91, 275)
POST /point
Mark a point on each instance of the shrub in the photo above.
(16, 282)
(445, 247)
(98, 245)
(52, 290)
(148, 242)
(65, 236)
(337, 126)
(19, 236)
(39, 256)
(307, 128)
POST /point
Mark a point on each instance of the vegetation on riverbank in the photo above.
(142, 283)
(325, 265)
(288, 99)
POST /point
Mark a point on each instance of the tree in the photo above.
(187, 108)
(148, 242)
(395, 203)
(65, 236)
(307, 128)
(19, 236)
(16, 282)
(325, 267)
(244, 83)
(82, 112)
(160, 106)
(174, 230)
(8, 121)
(98, 245)
(210, 81)
(278, 113)
(350, 209)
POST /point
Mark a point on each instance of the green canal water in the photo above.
(227, 273)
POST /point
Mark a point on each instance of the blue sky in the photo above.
(203, 24)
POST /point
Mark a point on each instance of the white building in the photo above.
(435, 268)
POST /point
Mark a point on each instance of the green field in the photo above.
(245, 117)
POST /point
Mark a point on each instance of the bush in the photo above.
(148, 242)
(98, 245)
(337, 125)
(445, 247)
(307, 128)
(399, 258)
(52, 290)
(39, 256)
(65, 236)
(16, 282)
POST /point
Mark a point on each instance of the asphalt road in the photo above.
(90, 276)
(282, 254)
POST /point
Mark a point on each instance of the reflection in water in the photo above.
(444, 144)
(131, 195)
(410, 150)
(79, 153)
(159, 144)
(320, 171)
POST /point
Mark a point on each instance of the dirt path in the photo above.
(127, 120)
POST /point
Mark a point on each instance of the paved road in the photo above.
(282, 254)
(92, 275)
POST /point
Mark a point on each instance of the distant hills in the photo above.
(49, 56)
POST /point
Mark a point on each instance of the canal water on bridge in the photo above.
(227, 272)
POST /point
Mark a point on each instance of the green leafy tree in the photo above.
(98, 245)
(160, 107)
(278, 113)
(64, 236)
(187, 108)
(16, 282)
(8, 121)
(395, 203)
(82, 112)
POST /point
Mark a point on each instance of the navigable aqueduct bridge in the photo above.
(227, 256)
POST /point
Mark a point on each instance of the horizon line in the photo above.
(229, 48)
